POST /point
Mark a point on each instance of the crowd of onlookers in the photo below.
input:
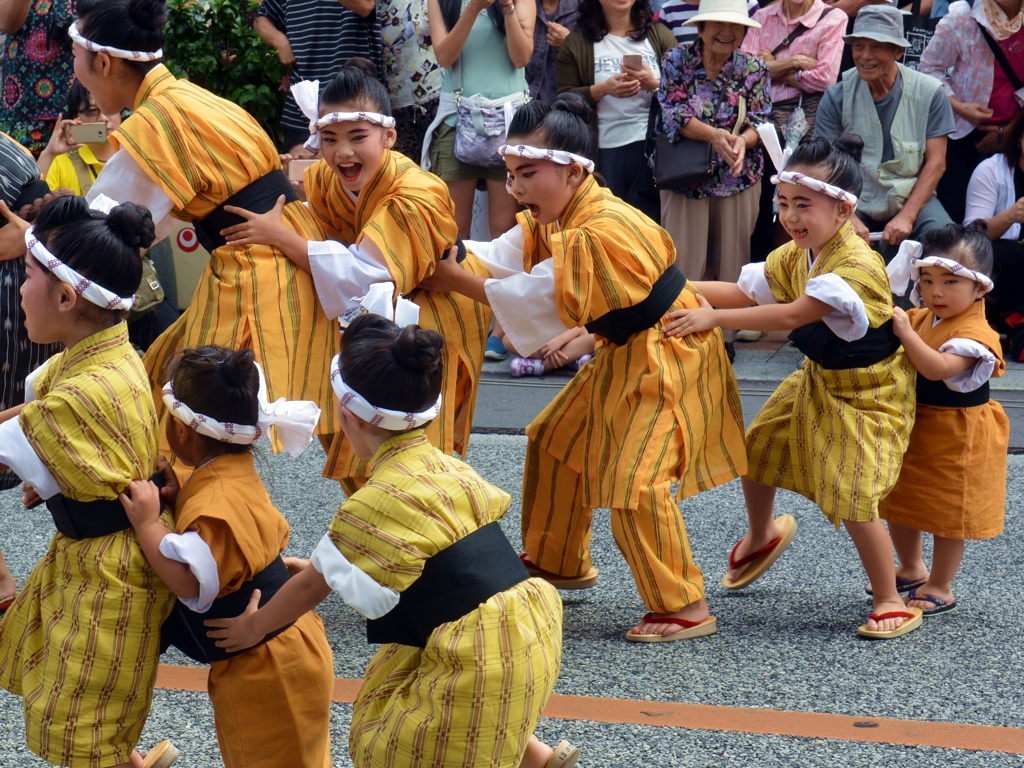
(942, 141)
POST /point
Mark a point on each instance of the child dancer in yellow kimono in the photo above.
(81, 643)
(185, 153)
(836, 429)
(953, 481)
(648, 411)
(390, 223)
(470, 654)
(271, 703)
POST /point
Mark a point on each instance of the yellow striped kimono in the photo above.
(472, 696)
(200, 150)
(655, 408)
(836, 436)
(81, 643)
(409, 215)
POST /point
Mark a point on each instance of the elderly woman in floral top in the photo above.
(712, 92)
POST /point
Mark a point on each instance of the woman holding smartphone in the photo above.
(613, 59)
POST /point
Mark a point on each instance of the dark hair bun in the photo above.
(361, 64)
(418, 348)
(133, 224)
(574, 104)
(851, 144)
(239, 370)
(149, 15)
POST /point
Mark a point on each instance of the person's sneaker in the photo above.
(749, 335)
(163, 755)
(495, 350)
(525, 366)
(583, 360)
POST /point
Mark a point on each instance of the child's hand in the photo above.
(58, 143)
(171, 487)
(900, 323)
(683, 322)
(12, 236)
(238, 633)
(556, 359)
(29, 496)
(296, 565)
(258, 228)
(141, 502)
(445, 273)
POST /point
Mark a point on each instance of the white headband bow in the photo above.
(559, 156)
(395, 421)
(84, 287)
(117, 53)
(307, 97)
(907, 264)
(293, 420)
(780, 158)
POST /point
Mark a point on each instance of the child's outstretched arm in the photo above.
(141, 502)
(449, 277)
(268, 229)
(765, 317)
(929, 362)
(722, 294)
(300, 594)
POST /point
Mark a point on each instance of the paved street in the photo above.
(785, 682)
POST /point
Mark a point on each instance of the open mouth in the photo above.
(350, 172)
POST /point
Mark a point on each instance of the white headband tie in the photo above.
(907, 264)
(117, 53)
(293, 420)
(84, 287)
(793, 177)
(559, 156)
(307, 97)
(395, 421)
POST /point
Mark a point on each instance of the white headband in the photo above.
(780, 158)
(307, 97)
(83, 286)
(117, 53)
(395, 421)
(559, 156)
(907, 264)
(293, 420)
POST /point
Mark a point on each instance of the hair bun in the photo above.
(418, 348)
(133, 224)
(149, 15)
(238, 369)
(360, 64)
(851, 144)
(574, 104)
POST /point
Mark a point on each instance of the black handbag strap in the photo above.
(800, 29)
(1001, 58)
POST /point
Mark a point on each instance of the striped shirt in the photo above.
(323, 35)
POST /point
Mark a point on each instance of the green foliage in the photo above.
(212, 43)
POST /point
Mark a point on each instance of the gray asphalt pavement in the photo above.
(787, 643)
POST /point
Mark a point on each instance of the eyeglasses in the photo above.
(91, 112)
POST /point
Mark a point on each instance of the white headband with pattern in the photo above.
(84, 287)
(307, 97)
(907, 264)
(780, 158)
(293, 420)
(395, 421)
(559, 156)
(117, 53)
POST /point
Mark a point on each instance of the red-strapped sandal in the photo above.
(763, 558)
(583, 581)
(690, 629)
(912, 616)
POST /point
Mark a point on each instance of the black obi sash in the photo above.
(454, 582)
(938, 394)
(87, 519)
(259, 197)
(619, 324)
(820, 344)
(184, 628)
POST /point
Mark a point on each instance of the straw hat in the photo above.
(881, 23)
(731, 11)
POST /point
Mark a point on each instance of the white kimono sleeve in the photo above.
(502, 256)
(525, 306)
(18, 454)
(342, 274)
(356, 587)
(190, 549)
(849, 321)
(977, 374)
(122, 179)
(754, 284)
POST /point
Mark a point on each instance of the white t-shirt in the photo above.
(622, 121)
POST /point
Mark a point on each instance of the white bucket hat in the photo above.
(731, 11)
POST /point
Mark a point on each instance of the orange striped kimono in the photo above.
(634, 420)
(408, 214)
(271, 704)
(200, 150)
(81, 643)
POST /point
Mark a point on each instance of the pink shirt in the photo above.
(823, 41)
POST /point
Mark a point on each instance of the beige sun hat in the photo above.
(731, 11)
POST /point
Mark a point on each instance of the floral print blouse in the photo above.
(686, 92)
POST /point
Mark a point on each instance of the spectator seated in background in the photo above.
(904, 119)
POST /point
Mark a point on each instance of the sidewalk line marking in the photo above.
(812, 725)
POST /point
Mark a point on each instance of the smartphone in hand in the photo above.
(298, 166)
(634, 62)
(86, 133)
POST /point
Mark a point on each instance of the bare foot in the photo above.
(886, 625)
(696, 612)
